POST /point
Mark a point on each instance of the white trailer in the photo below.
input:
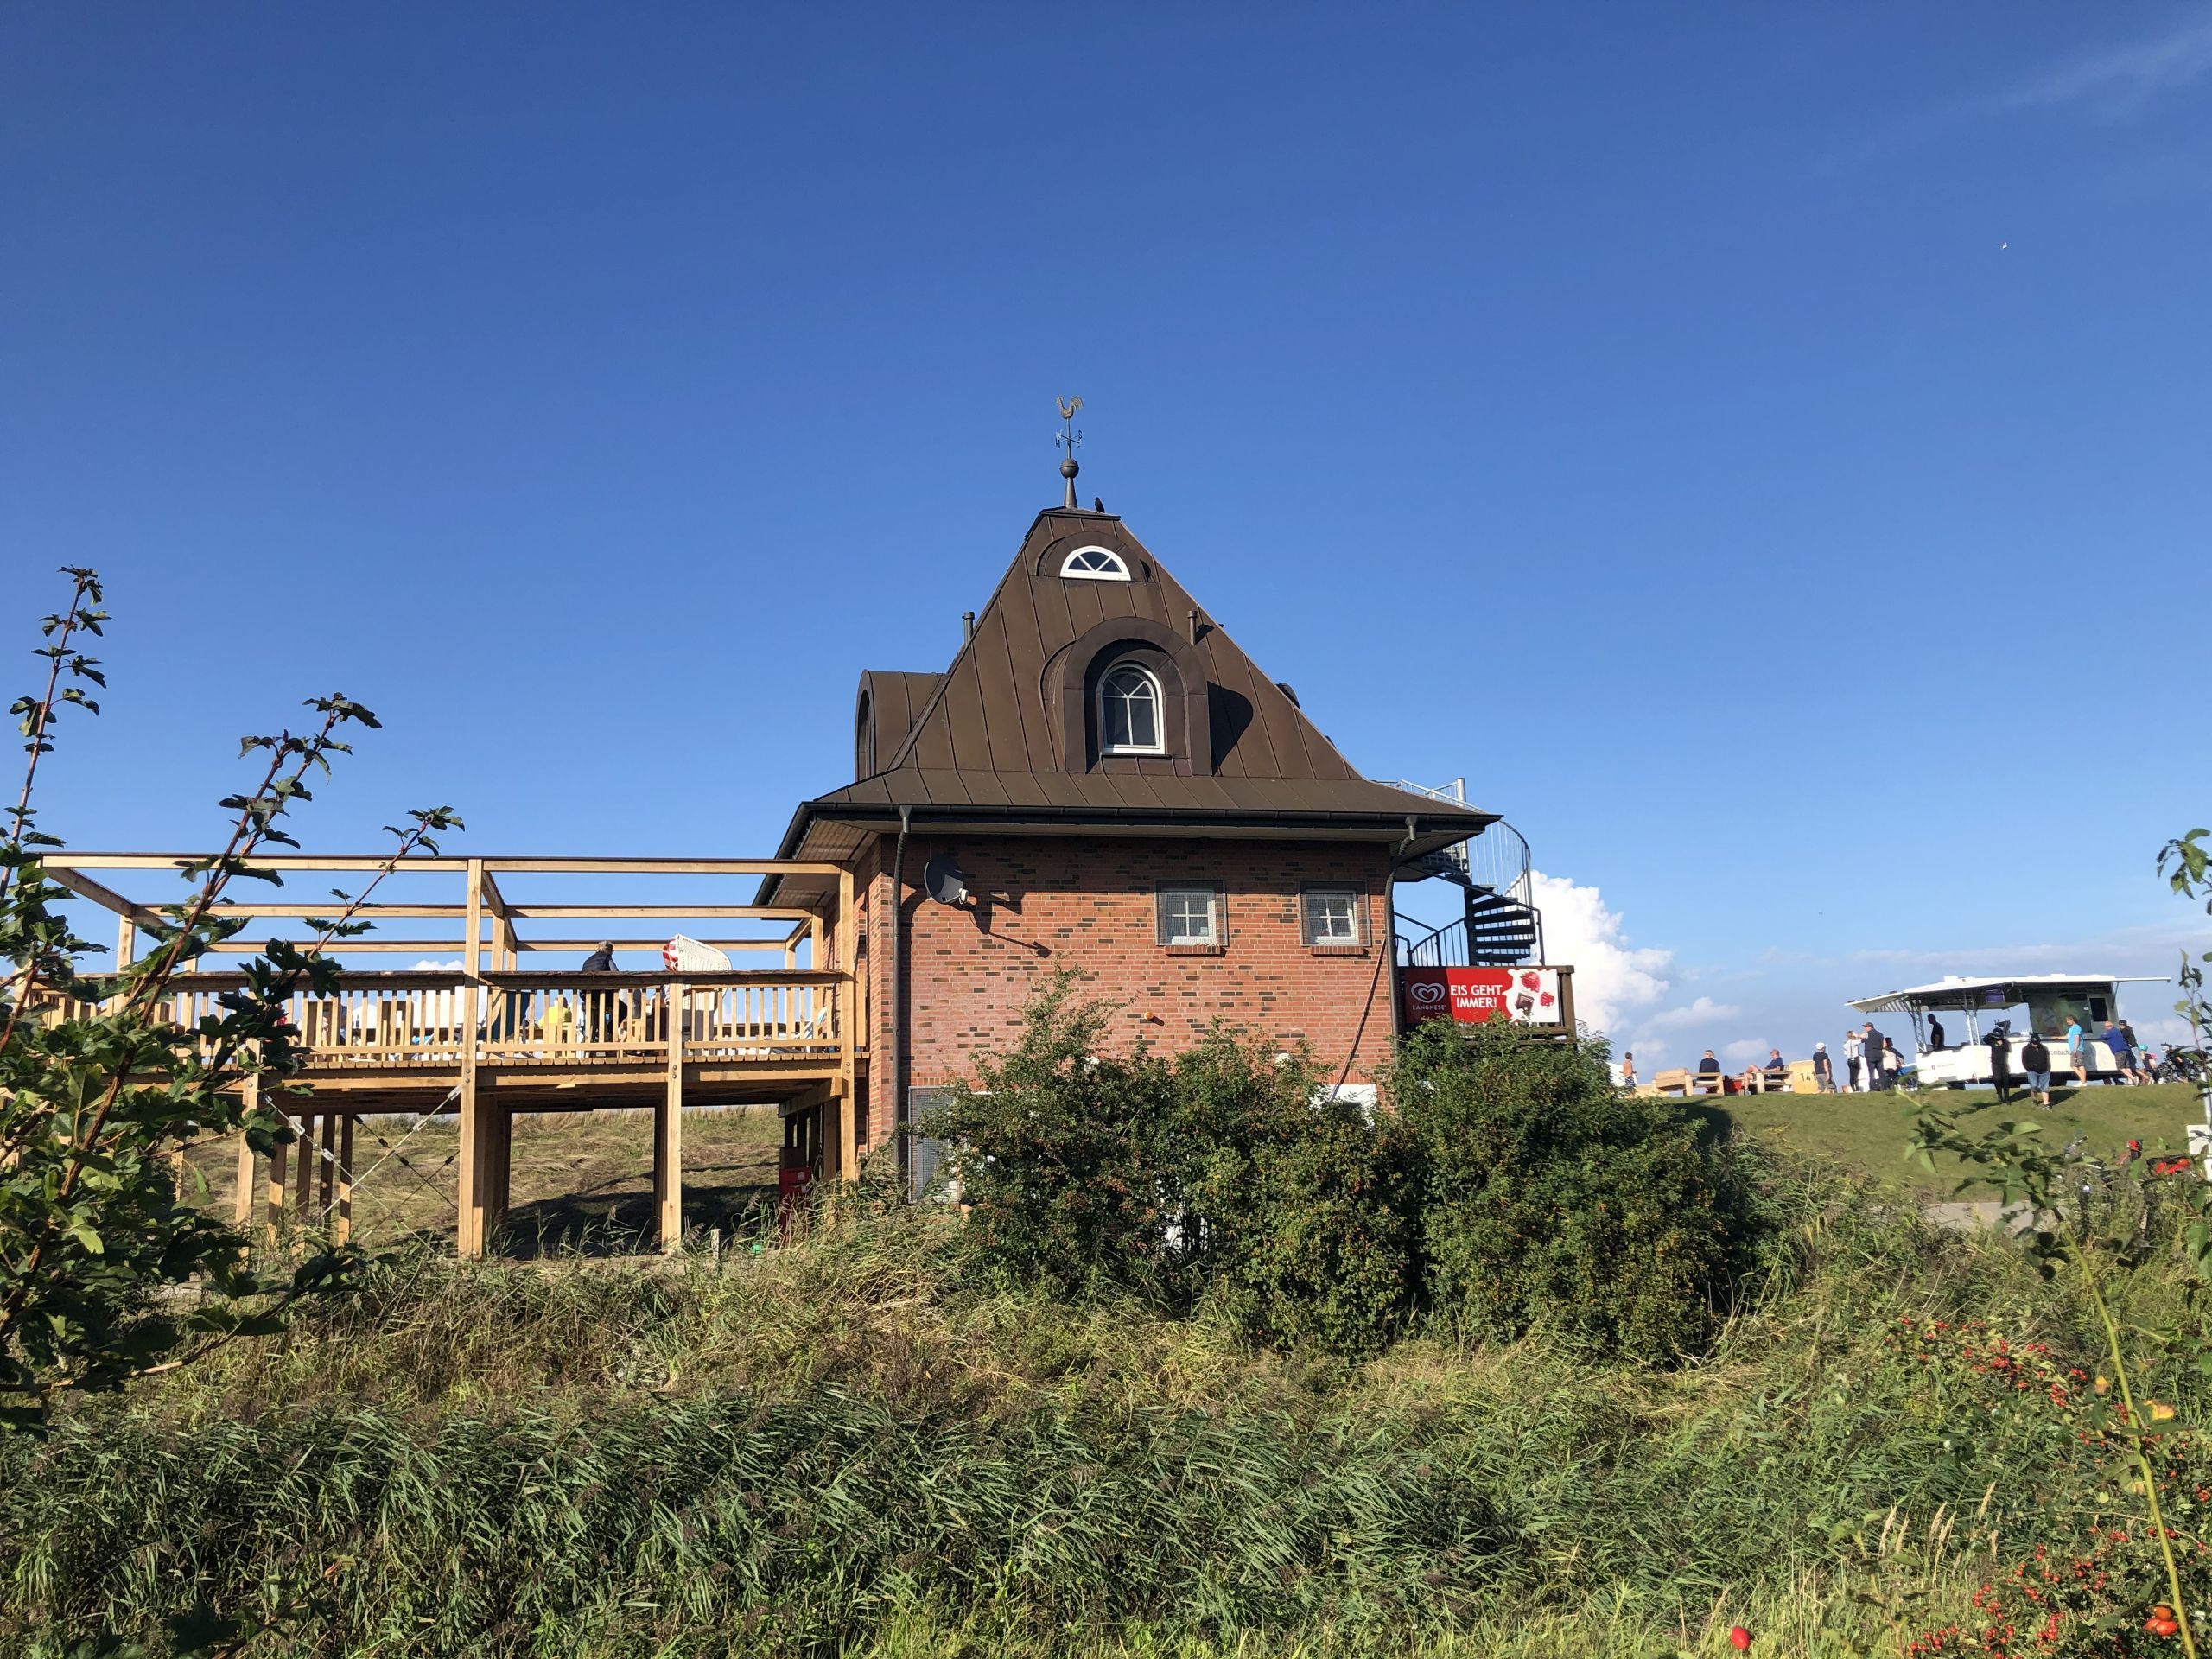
(1970, 1009)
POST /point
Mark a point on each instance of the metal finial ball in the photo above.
(1068, 468)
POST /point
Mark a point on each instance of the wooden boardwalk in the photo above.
(492, 1038)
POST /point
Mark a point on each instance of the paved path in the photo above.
(1976, 1216)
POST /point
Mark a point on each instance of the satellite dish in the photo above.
(943, 880)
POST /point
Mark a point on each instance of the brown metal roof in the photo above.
(895, 700)
(996, 739)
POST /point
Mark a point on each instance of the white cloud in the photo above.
(1614, 980)
(2120, 78)
(2162, 1030)
(2133, 948)
(1704, 1011)
(1745, 1050)
(429, 967)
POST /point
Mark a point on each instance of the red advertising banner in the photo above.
(1473, 996)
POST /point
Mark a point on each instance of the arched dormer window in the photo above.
(1130, 695)
(864, 738)
(1094, 564)
(1130, 709)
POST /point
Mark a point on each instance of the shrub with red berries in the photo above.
(2104, 1596)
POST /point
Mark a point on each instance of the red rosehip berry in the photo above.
(1738, 1638)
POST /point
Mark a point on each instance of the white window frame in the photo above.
(1159, 743)
(1117, 571)
(1307, 918)
(1211, 895)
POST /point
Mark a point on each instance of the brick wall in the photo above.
(1091, 904)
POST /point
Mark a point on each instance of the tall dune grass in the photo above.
(840, 1446)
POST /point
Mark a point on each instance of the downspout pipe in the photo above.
(1389, 941)
(898, 996)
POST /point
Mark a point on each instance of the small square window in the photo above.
(1190, 916)
(1333, 916)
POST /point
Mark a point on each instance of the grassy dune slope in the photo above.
(1868, 1132)
(842, 1445)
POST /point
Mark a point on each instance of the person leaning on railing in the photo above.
(599, 1006)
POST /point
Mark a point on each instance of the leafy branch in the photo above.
(100, 1089)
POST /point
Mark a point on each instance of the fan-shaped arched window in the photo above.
(1094, 564)
(1129, 707)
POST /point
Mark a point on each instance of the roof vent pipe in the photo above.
(967, 627)
(1194, 628)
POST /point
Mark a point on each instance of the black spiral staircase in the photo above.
(1501, 927)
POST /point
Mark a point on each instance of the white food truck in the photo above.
(1970, 1009)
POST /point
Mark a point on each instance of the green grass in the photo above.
(847, 1447)
(1869, 1132)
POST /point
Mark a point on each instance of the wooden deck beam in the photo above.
(107, 898)
(243, 947)
(64, 859)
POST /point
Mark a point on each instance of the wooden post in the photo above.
(472, 944)
(241, 1199)
(327, 1185)
(126, 942)
(342, 1217)
(470, 1176)
(468, 1232)
(668, 1143)
(273, 1220)
(304, 1181)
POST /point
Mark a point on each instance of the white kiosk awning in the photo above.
(1957, 992)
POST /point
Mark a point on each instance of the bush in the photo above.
(1508, 1185)
(1302, 1203)
(1551, 1199)
(1067, 1164)
(1227, 1177)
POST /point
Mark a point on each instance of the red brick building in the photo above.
(1103, 781)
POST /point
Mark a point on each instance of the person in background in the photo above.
(1777, 1069)
(1871, 1045)
(2078, 1044)
(1853, 1075)
(2143, 1066)
(558, 1025)
(1709, 1075)
(2123, 1051)
(1823, 1070)
(1935, 1033)
(598, 1007)
(1893, 1063)
(2035, 1060)
(1999, 1043)
(1628, 1072)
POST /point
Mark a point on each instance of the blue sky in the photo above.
(1762, 448)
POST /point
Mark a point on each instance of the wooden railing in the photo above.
(397, 1022)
